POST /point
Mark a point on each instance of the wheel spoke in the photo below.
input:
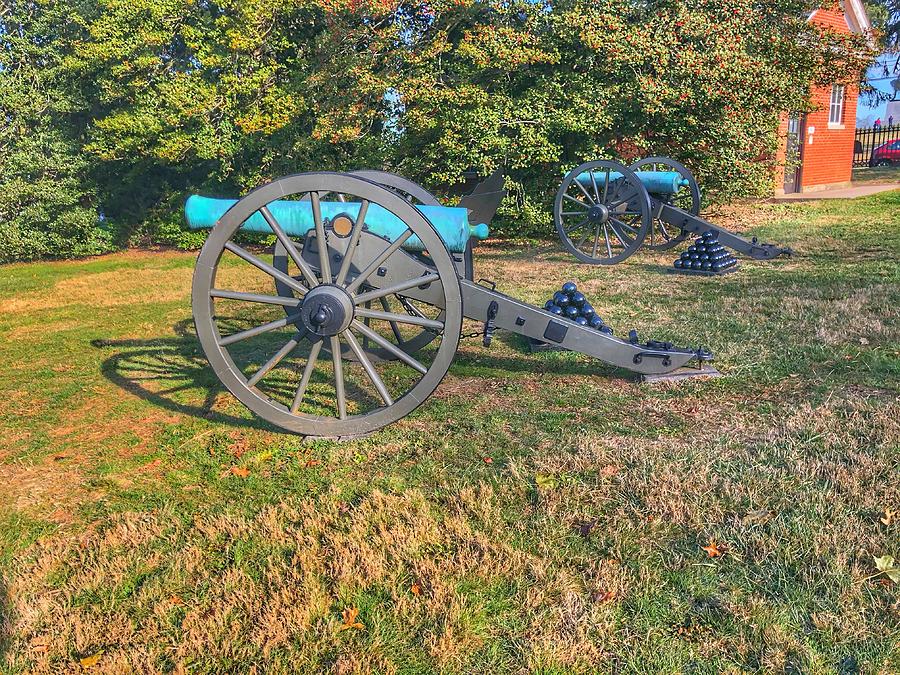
(623, 200)
(394, 327)
(337, 360)
(254, 297)
(608, 245)
(304, 267)
(606, 186)
(258, 330)
(389, 346)
(597, 241)
(622, 238)
(375, 264)
(351, 246)
(577, 201)
(324, 262)
(400, 318)
(624, 226)
(576, 227)
(307, 373)
(396, 288)
(594, 185)
(368, 367)
(275, 360)
(287, 280)
(581, 187)
(573, 213)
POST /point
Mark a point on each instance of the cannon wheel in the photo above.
(664, 236)
(607, 221)
(317, 396)
(414, 194)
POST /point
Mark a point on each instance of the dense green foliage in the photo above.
(122, 107)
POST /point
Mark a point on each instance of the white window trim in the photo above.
(839, 124)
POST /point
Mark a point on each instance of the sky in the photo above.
(866, 114)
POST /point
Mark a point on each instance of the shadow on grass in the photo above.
(157, 370)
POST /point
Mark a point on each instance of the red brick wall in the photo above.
(827, 152)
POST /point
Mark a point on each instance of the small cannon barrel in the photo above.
(451, 223)
(656, 182)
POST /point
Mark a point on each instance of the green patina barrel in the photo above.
(295, 218)
(656, 182)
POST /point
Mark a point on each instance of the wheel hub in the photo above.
(326, 310)
(598, 213)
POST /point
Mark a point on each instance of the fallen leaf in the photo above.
(151, 465)
(240, 471)
(545, 481)
(349, 615)
(175, 600)
(415, 589)
(888, 518)
(61, 456)
(599, 597)
(885, 565)
(609, 470)
(712, 550)
(91, 661)
(488, 460)
(312, 462)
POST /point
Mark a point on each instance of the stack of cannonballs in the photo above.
(706, 256)
(570, 303)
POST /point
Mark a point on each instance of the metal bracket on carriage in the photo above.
(663, 350)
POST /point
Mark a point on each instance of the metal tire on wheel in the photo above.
(606, 221)
(328, 299)
(414, 194)
(663, 236)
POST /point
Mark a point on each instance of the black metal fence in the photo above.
(870, 138)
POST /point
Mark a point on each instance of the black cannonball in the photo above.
(704, 257)
(587, 311)
(695, 256)
(595, 321)
(561, 299)
(692, 249)
(556, 309)
(685, 256)
(571, 311)
(569, 287)
(577, 299)
(706, 265)
(696, 264)
(581, 321)
(677, 264)
(606, 329)
(549, 304)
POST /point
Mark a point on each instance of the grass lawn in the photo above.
(540, 513)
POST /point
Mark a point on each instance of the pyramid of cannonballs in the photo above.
(706, 256)
(570, 303)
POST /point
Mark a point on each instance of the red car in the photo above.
(886, 154)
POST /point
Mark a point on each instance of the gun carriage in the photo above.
(357, 318)
(605, 211)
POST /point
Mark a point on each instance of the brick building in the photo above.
(819, 145)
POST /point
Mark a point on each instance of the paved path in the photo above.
(844, 193)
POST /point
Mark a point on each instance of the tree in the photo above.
(47, 201)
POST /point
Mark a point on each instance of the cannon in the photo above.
(355, 318)
(605, 211)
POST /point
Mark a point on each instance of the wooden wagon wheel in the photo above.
(270, 360)
(664, 236)
(410, 343)
(602, 212)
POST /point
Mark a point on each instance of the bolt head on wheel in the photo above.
(326, 310)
